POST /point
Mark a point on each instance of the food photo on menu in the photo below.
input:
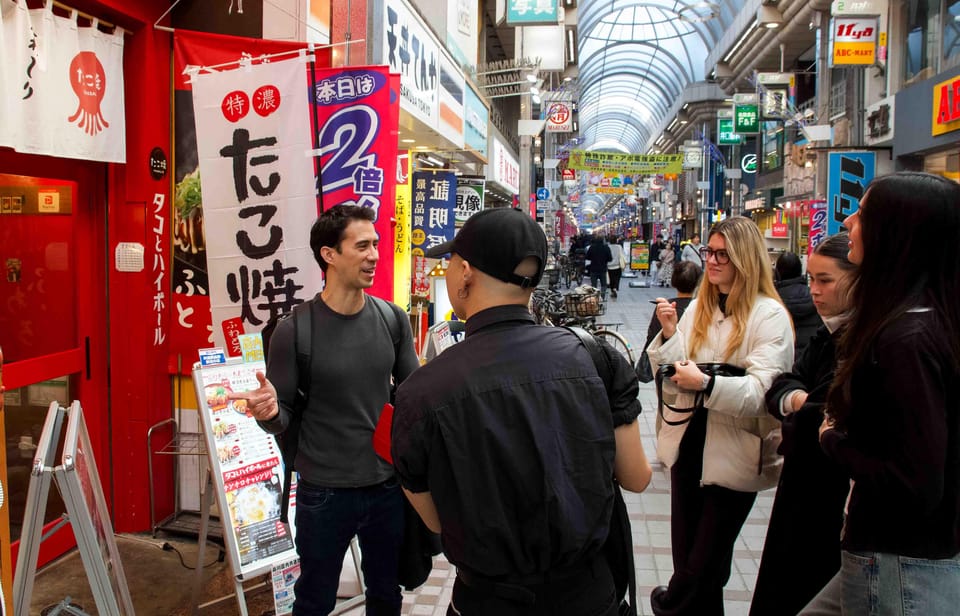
(255, 503)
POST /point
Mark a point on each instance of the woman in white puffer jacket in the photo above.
(726, 452)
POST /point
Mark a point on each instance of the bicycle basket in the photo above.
(583, 304)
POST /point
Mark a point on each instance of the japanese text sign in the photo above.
(253, 141)
(357, 137)
(615, 162)
(854, 41)
(410, 49)
(529, 12)
(848, 175)
(469, 198)
(504, 169)
(434, 198)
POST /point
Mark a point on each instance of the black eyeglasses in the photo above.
(721, 256)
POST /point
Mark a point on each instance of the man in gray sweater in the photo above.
(344, 489)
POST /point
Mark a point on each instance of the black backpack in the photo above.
(302, 314)
(618, 548)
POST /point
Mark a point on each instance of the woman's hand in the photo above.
(688, 376)
(797, 399)
(667, 315)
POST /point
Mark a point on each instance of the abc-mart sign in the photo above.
(854, 41)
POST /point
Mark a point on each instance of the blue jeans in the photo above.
(327, 519)
(878, 584)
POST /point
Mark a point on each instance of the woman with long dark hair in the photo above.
(893, 413)
(721, 457)
(804, 531)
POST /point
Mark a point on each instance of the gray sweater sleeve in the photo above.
(282, 373)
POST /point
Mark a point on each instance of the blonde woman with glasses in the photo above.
(724, 451)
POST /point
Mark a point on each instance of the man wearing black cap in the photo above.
(507, 442)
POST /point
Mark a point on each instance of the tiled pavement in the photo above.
(649, 511)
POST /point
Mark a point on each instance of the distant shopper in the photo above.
(691, 251)
(667, 259)
(793, 290)
(616, 266)
(807, 516)
(655, 245)
(893, 412)
(685, 278)
(598, 254)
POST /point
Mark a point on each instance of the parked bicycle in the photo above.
(579, 308)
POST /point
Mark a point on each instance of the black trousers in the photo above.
(614, 275)
(590, 593)
(705, 522)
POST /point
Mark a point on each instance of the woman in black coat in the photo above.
(802, 549)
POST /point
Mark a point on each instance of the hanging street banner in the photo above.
(61, 86)
(434, 200)
(401, 235)
(854, 41)
(847, 176)
(253, 143)
(469, 198)
(357, 125)
(616, 162)
(191, 327)
(559, 117)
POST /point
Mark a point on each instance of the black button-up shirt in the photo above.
(511, 431)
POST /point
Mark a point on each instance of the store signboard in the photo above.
(532, 12)
(746, 114)
(639, 256)
(434, 198)
(246, 467)
(462, 31)
(847, 176)
(854, 41)
(410, 49)
(504, 169)
(817, 226)
(946, 106)
(725, 132)
(559, 117)
(469, 198)
(452, 85)
(476, 117)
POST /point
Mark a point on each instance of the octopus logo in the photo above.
(89, 81)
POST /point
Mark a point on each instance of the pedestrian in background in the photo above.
(893, 411)
(793, 290)
(598, 254)
(667, 258)
(618, 262)
(807, 516)
(722, 455)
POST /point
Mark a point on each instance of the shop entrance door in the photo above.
(52, 322)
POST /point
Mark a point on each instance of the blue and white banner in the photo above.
(434, 203)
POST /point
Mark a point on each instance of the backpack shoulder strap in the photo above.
(303, 345)
(600, 359)
(392, 321)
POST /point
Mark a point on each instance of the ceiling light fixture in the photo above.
(769, 16)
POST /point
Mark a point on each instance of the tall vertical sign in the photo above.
(434, 199)
(848, 175)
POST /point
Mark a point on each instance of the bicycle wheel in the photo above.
(618, 342)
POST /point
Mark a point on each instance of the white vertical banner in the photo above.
(259, 192)
(63, 87)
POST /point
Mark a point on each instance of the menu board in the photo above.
(247, 468)
(639, 256)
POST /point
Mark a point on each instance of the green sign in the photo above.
(725, 134)
(525, 12)
(746, 118)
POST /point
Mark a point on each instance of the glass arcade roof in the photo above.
(636, 57)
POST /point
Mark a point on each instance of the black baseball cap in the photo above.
(495, 241)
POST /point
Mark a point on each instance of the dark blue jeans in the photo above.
(327, 519)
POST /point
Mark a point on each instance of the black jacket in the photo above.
(901, 444)
(807, 516)
(796, 297)
(599, 255)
